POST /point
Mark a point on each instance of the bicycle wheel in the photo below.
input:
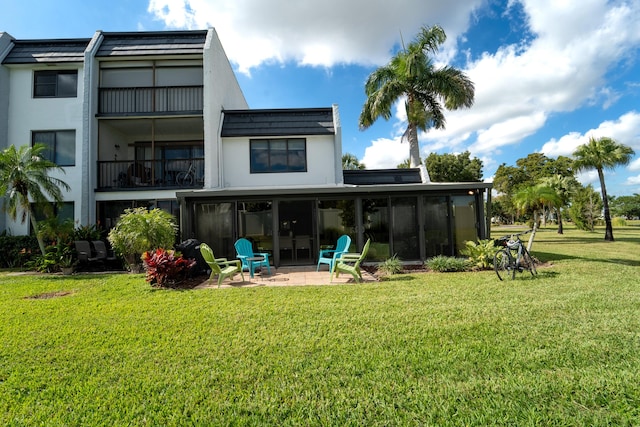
(184, 179)
(502, 264)
(527, 262)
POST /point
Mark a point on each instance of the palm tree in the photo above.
(351, 162)
(24, 177)
(600, 154)
(428, 89)
(564, 187)
(533, 199)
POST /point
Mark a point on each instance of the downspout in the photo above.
(90, 135)
(221, 183)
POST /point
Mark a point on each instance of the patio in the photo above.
(288, 276)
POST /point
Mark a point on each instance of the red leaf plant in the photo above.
(165, 267)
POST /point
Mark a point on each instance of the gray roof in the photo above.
(382, 176)
(278, 122)
(152, 43)
(47, 51)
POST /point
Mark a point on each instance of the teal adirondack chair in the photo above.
(244, 249)
(350, 263)
(220, 266)
(329, 256)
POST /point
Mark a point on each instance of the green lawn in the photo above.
(420, 349)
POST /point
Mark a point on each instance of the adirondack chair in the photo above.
(251, 260)
(220, 266)
(350, 263)
(328, 256)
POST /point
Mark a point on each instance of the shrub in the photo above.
(88, 232)
(17, 251)
(480, 254)
(446, 264)
(392, 265)
(166, 267)
(140, 230)
(618, 222)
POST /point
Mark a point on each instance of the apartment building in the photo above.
(158, 119)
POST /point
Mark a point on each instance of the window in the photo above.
(63, 212)
(278, 155)
(55, 84)
(61, 145)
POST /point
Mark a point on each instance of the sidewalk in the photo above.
(288, 276)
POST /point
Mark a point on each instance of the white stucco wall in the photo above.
(320, 165)
(27, 114)
(221, 91)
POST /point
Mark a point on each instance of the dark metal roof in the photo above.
(381, 176)
(47, 51)
(278, 122)
(152, 43)
(438, 188)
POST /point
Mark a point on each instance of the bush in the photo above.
(391, 266)
(166, 267)
(618, 222)
(140, 230)
(447, 264)
(480, 254)
(17, 251)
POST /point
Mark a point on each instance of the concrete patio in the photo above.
(288, 276)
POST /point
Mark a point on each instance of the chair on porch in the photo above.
(251, 260)
(350, 263)
(328, 256)
(220, 266)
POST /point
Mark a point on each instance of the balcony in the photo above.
(125, 175)
(150, 100)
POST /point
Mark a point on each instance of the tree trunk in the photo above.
(34, 225)
(608, 233)
(560, 228)
(533, 231)
(414, 147)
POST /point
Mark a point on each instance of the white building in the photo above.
(158, 119)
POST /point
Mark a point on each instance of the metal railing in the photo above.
(120, 175)
(147, 100)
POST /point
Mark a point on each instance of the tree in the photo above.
(140, 230)
(564, 187)
(351, 162)
(24, 177)
(626, 206)
(405, 165)
(534, 199)
(427, 89)
(585, 208)
(454, 168)
(600, 154)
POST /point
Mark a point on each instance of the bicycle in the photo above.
(512, 257)
(185, 178)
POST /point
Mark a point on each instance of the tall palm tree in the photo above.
(427, 89)
(600, 154)
(533, 199)
(24, 177)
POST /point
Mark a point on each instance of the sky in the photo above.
(548, 74)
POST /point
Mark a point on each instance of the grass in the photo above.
(418, 349)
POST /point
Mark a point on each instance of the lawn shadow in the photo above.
(549, 256)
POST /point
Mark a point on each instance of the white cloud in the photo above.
(625, 130)
(633, 180)
(311, 33)
(635, 165)
(385, 153)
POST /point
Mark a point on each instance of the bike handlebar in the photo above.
(508, 236)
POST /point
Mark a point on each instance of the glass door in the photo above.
(296, 239)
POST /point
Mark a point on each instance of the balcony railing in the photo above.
(150, 100)
(150, 174)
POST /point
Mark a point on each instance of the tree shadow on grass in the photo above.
(549, 256)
